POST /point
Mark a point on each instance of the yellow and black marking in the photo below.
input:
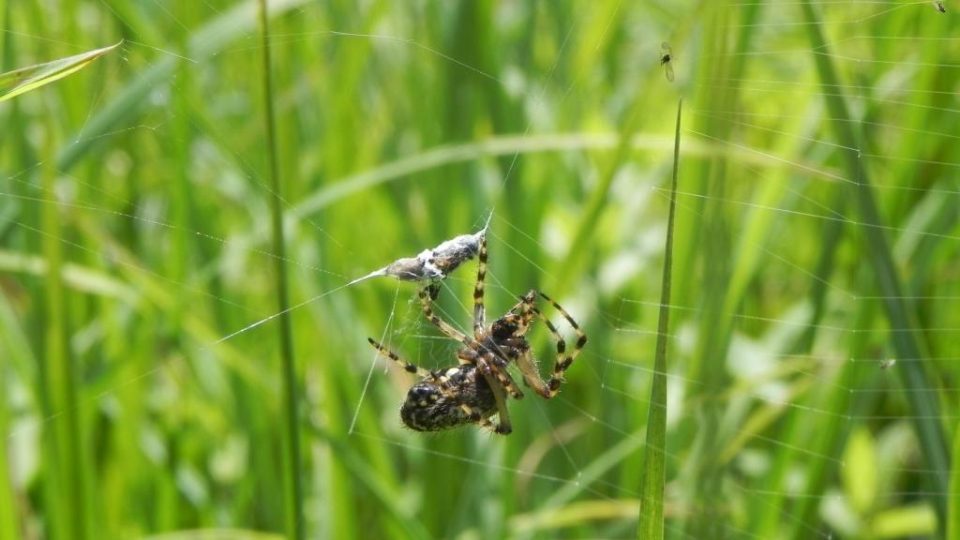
(407, 366)
(563, 360)
(447, 329)
(458, 397)
(479, 310)
(489, 369)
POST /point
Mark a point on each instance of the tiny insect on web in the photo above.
(666, 58)
(477, 388)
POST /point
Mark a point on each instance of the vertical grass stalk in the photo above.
(293, 509)
(9, 519)
(654, 471)
(926, 408)
(64, 471)
(9, 506)
(953, 513)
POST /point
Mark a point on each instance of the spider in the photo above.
(478, 387)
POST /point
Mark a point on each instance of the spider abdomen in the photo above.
(429, 408)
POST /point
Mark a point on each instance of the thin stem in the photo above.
(293, 484)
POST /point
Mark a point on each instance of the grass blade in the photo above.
(292, 474)
(23, 80)
(15, 350)
(65, 487)
(953, 518)
(654, 471)
(925, 406)
(210, 39)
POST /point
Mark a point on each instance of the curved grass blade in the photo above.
(654, 468)
(25, 79)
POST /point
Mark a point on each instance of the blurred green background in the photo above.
(814, 334)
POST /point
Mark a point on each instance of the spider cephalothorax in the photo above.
(471, 392)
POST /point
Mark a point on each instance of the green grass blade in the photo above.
(292, 470)
(953, 516)
(209, 40)
(65, 485)
(906, 342)
(23, 80)
(13, 349)
(654, 472)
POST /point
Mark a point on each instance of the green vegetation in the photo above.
(23, 80)
(654, 472)
(180, 357)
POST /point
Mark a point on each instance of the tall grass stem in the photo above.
(906, 340)
(293, 484)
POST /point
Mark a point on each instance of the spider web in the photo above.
(739, 425)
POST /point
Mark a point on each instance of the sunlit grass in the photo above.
(141, 265)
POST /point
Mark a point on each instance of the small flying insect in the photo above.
(888, 363)
(666, 55)
(939, 6)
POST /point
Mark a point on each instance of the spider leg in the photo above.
(407, 366)
(494, 372)
(531, 375)
(581, 336)
(497, 381)
(525, 310)
(479, 312)
(503, 427)
(444, 327)
(480, 420)
(433, 290)
(563, 361)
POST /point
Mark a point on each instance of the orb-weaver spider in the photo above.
(471, 392)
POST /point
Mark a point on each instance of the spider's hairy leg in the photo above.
(526, 310)
(531, 376)
(491, 370)
(486, 423)
(407, 366)
(479, 311)
(508, 383)
(581, 336)
(444, 327)
(563, 360)
(433, 290)
(477, 418)
(494, 369)
(503, 426)
(517, 321)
